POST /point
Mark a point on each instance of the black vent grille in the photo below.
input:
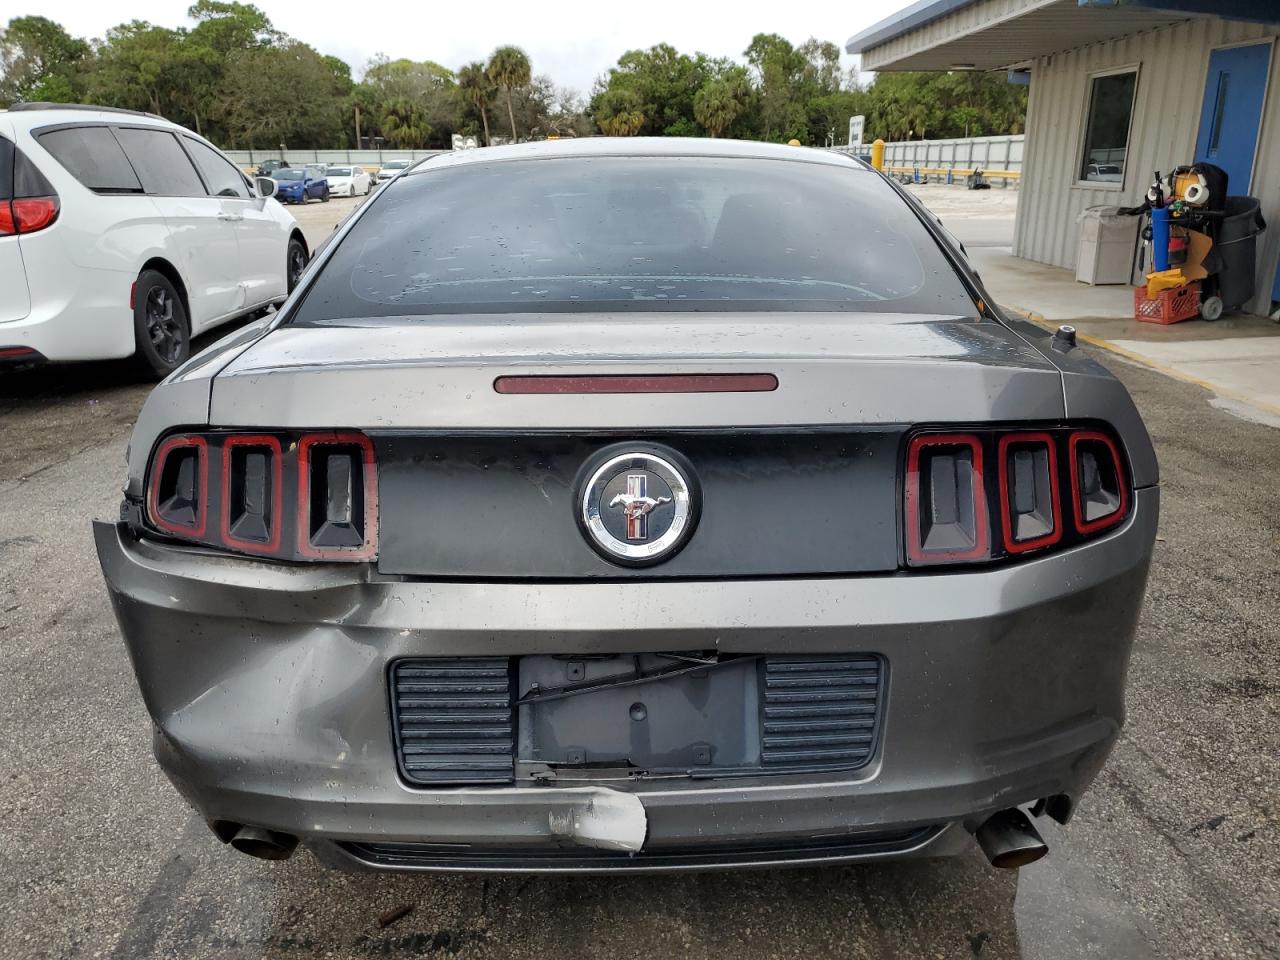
(454, 720)
(820, 713)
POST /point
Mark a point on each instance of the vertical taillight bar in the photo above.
(946, 500)
(1030, 504)
(252, 493)
(337, 497)
(178, 493)
(1099, 487)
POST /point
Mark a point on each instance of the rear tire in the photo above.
(324, 195)
(295, 262)
(161, 329)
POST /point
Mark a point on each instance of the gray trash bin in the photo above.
(1107, 241)
(1237, 245)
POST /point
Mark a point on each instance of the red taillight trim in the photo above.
(8, 222)
(624, 383)
(916, 554)
(202, 471)
(370, 548)
(34, 213)
(1006, 514)
(277, 492)
(1122, 482)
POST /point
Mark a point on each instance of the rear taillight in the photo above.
(34, 204)
(337, 497)
(946, 502)
(178, 496)
(33, 213)
(1100, 492)
(310, 496)
(1031, 509)
(976, 496)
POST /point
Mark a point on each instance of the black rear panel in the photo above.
(771, 504)
(571, 718)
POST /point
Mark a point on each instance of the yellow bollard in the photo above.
(877, 154)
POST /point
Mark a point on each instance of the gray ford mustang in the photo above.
(625, 505)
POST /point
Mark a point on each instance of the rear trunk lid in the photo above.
(438, 374)
(802, 479)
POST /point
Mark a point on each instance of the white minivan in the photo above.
(122, 234)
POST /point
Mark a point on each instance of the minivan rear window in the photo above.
(670, 233)
(92, 156)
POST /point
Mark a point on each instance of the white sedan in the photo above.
(348, 181)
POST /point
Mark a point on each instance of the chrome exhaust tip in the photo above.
(263, 843)
(1010, 840)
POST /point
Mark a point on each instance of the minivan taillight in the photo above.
(955, 510)
(33, 213)
(309, 496)
(31, 204)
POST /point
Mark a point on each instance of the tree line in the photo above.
(241, 82)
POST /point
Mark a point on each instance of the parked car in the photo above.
(348, 181)
(300, 184)
(1107, 172)
(391, 168)
(268, 167)
(611, 505)
(123, 234)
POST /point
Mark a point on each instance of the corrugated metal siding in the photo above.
(1173, 63)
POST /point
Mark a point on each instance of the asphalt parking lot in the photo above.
(1175, 853)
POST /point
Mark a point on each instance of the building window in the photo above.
(1106, 138)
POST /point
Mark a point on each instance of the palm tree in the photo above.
(478, 89)
(403, 123)
(509, 68)
(715, 106)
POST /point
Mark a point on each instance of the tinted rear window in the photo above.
(92, 156)
(161, 163)
(637, 233)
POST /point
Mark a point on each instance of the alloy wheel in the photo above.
(297, 263)
(163, 326)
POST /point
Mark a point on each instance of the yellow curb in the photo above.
(1138, 358)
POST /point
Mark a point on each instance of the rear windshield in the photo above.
(287, 174)
(636, 233)
(395, 165)
(339, 171)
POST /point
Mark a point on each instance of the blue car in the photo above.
(300, 184)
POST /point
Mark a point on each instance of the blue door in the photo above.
(1232, 112)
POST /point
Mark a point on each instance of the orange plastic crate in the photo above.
(1169, 306)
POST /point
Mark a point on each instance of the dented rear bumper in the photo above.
(267, 685)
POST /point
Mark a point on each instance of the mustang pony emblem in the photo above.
(637, 505)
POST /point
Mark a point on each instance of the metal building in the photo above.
(1119, 90)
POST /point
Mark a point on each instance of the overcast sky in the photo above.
(574, 41)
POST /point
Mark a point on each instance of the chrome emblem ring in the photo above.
(637, 507)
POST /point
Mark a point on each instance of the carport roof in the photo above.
(992, 34)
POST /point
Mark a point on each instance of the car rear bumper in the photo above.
(85, 316)
(267, 686)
